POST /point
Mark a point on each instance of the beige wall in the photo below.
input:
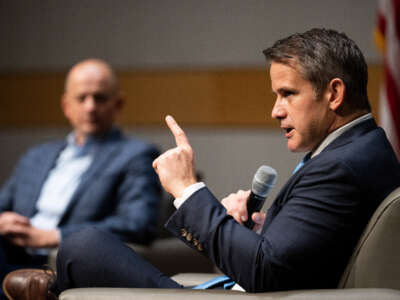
(50, 34)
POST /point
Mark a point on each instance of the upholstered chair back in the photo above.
(376, 258)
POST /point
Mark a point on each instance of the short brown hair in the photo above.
(322, 55)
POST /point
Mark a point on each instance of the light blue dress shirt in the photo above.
(62, 182)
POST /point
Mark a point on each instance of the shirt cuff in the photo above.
(189, 191)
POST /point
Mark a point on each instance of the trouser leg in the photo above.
(92, 258)
(13, 257)
(4, 260)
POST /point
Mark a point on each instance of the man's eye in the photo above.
(100, 98)
(287, 93)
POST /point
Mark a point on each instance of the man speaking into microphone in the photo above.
(320, 79)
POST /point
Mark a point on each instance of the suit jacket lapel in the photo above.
(41, 174)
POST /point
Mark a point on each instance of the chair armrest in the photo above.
(190, 279)
(183, 294)
(52, 258)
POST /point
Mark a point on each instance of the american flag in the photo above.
(387, 38)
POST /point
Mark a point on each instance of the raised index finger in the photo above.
(179, 134)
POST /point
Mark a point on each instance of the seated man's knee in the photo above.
(79, 244)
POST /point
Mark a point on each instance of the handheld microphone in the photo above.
(263, 181)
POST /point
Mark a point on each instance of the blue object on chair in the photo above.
(219, 281)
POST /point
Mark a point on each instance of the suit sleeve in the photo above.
(135, 193)
(6, 194)
(306, 245)
(8, 190)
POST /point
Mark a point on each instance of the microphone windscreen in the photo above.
(263, 180)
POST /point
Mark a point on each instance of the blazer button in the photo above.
(199, 247)
(183, 232)
(189, 237)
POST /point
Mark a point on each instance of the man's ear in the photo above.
(120, 101)
(337, 90)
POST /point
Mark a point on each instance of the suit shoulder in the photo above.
(372, 146)
(135, 146)
(42, 149)
(369, 158)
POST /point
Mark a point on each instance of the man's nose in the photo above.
(90, 103)
(278, 111)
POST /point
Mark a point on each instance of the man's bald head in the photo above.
(93, 67)
(91, 99)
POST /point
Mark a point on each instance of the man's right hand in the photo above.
(175, 167)
(11, 223)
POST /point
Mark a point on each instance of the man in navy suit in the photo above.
(307, 237)
(96, 177)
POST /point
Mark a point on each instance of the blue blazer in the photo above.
(119, 193)
(313, 225)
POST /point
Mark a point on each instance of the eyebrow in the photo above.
(285, 89)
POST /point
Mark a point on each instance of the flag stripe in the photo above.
(381, 23)
(393, 97)
(396, 14)
(388, 25)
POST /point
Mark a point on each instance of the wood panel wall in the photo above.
(229, 97)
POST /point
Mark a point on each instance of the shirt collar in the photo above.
(335, 134)
(79, 150)
(92, 140)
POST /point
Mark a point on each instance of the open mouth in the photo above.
(288, 131)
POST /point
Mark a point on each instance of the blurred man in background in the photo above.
(96, 177)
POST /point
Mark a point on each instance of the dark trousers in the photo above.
(92, 258)
(13, 257)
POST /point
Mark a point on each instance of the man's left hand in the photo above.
(236, 206)
(34, 237)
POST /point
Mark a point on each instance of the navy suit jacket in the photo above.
(119, 193)
(313, 225)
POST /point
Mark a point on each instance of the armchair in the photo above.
(373, 271)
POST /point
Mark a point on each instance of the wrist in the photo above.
(52, 238)
(189, 191)
(180, 190)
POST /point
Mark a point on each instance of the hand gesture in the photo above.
(175, 167)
